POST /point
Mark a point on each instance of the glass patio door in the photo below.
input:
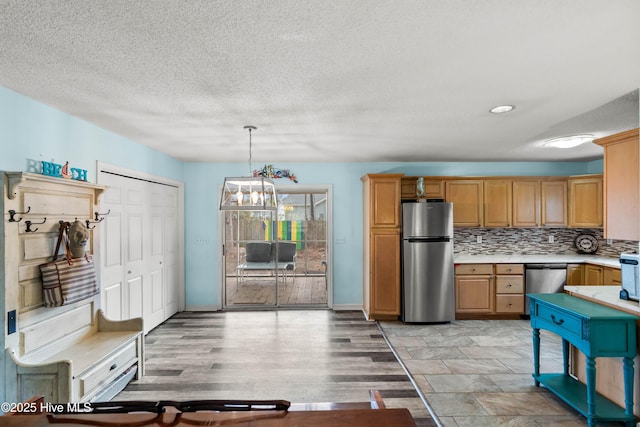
(277, 259)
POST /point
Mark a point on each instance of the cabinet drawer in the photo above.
(113, 365)
(510, 303)
(509, 268)
(553, 319)
(509, 284)
(474, 269)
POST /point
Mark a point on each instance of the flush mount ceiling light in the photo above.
(569, 141)
(502, 109)
(249, 193)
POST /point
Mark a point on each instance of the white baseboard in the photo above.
(203, 308)
(347, 307)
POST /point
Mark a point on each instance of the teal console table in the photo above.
(595, 330)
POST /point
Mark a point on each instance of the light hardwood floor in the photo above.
(301, 356)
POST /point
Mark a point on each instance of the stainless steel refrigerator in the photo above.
(428, 294)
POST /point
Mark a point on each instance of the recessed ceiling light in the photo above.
(502, 109)
(569, 141)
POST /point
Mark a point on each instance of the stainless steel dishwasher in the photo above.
(544, 279)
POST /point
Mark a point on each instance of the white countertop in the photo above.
(606, 294)
(531, 259)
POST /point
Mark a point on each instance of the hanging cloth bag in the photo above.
(67, 280)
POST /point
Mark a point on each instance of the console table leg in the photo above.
(627, 368)
(536, 356)
(565, 356)
(591, 390)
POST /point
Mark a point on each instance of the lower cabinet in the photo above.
(575, 274)
(382, 296)
(611, 276)
(474, 288)
(488, 290)
(593, 275)
(509, 288)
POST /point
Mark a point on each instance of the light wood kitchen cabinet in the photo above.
(585, 202)
(475, 289)
(497, 203)
(611, 276)
(553, 203)
(621, 185)
(575, 274)
(381, 275)
(509, 288)
(593, 275)
(383, 204)
(526, 203)
(467, 198)
(539, 203)
(384, 284)
(433, 188)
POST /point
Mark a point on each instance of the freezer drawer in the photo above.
(427, 282)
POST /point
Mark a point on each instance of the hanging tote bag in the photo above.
(69, 279)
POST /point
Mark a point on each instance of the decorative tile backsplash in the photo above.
(533, 241)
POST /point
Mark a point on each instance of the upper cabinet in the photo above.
(621, 185)
(585, 202)
(467, 198)
(516, 201)
(553, 203)
(433, 188)
(526, 203)
(497, 203)
(382, 192)
(539, 203)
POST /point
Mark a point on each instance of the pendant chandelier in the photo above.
(249, 193)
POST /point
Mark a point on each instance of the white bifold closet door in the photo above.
(139, 253)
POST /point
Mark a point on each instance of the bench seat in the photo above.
(94, 366)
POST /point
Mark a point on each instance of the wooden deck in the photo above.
(260, 290)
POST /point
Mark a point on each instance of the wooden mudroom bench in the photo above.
(91, 365)
(68, 353)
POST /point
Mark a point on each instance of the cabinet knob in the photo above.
(508, 269)
(509, 285)
(473, 269)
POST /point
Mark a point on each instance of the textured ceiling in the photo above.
(342, 80)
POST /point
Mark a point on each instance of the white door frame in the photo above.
(130, 173)
(299, 188)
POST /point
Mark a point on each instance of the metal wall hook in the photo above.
(87, 222)
(30, 223)
(98, 215)
(13, 213)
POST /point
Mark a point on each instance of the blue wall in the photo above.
(31, 132)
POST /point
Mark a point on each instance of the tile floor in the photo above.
(478, 372)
